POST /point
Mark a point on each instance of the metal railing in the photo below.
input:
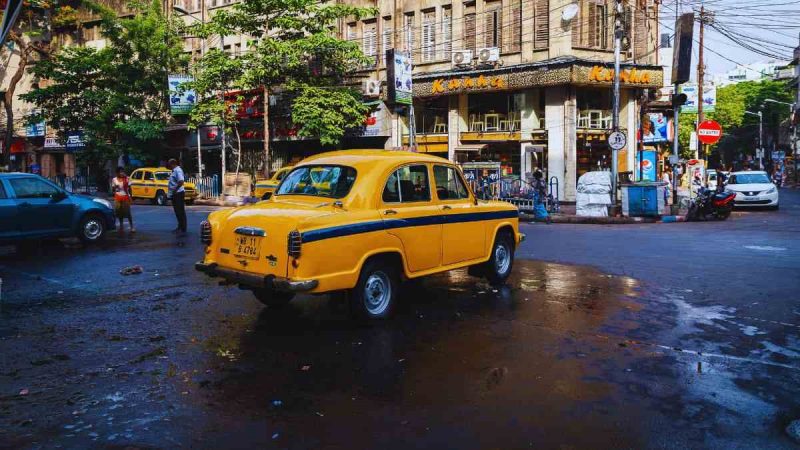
(207, 187)
(517, 192)
(78, 184)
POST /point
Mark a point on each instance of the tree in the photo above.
(294, 51)
(117, 95)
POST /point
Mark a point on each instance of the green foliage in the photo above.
(118, 94)
(294, 50)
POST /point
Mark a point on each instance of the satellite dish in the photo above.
(570, 11)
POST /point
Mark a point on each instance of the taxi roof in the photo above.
(360, 158)
(154, 169)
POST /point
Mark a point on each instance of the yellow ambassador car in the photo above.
(360, 221)
(151, 183)
(265, 188)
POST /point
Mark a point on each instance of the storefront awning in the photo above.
(471, 148)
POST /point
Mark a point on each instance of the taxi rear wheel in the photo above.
(273, 299)
(161, 198)
(375, 294)
(498, 268)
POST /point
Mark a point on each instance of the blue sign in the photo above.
(181, 100)
(74, 141)
(35, 130)
(647, 165)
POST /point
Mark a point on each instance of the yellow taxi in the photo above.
(151, 183)
(264, 188)
(360, 221)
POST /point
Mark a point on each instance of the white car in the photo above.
(753, 188)
(712, 177)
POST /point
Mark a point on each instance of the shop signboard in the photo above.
(74, 141)
(696, 173)
(35, 129)
(647, 165)
(399, 77)
(181, 101)
(654, 128)
(709, 98)
(52, 142)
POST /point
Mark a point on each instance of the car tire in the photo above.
(273, 299)
(375, 295)
(501, 261)
(91, 229)
(266, 196)
(161, 198)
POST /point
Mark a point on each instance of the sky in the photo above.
(771, 27)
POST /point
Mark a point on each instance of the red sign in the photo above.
(709, 132)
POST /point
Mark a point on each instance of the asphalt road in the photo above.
(638, 336)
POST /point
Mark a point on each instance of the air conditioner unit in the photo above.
(462, 57)
(371, 88)
(489, 55)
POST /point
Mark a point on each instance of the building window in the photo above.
(591, 29)
(408, 27)
(541, 24)
(513, 41)
(351, 35)
(493, 25)
(428, 35)
(447, 32)
(470, 24)
(370, 41)
(387, 39)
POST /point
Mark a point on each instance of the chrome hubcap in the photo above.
(92, 230)
(377, 293)
(502, 259)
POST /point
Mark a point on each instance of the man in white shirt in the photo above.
(178, 194)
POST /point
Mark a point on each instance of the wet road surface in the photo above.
(644, 353)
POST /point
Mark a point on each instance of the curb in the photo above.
(558, 218)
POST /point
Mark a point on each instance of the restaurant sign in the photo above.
(442, 85)
(602, 74)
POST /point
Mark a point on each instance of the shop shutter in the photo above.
(447, 32)
(541, 24)
(469, 32)
(514, 35)
(640, 35)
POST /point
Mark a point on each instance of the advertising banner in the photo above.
(399, 77)
(35, 129)
(709, 98)
(74, 141)
(654, 128)
(647, 165)
(181, 101)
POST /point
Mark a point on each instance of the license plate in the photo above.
(247, 247)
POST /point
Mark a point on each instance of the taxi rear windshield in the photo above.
(319, 181)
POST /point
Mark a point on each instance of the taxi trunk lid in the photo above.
(255, 238)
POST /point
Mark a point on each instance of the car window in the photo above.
(319, 181)
(2, 191)
(32, 188)
(407, 184)
(137, 175)
(161, 176)
(148, 176)
(449, 185)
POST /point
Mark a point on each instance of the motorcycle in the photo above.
(709, 203)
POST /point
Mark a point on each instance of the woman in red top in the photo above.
(122, 199)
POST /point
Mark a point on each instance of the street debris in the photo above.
(131, 270)
(277, 403)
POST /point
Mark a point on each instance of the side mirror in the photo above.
(57, 196)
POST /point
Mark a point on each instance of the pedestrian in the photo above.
(539, 197)
(178, 195)
(665, 178)
(122, 200)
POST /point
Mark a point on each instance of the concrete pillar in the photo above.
(69, 164)
(559, 116)
(47, 166)
(455, 124)
(630, 109)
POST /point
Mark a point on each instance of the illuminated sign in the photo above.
(456, 84)
(603, 74)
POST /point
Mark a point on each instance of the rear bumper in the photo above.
(255, 280)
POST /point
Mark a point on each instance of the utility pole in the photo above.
(700, 73)
(618, 32)
(760, 142)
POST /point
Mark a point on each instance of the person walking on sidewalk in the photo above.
(178, 194)
(122, 199)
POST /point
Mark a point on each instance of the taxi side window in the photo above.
(137, 175)
(148, 176)
(407, 184)
(449, 185)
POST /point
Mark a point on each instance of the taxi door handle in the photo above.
(389, 212)
(446, 207)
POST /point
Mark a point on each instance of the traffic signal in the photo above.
(678, 99)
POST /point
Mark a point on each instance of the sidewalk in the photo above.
(567, 215)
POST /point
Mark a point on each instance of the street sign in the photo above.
(709, 132)
(617, 140)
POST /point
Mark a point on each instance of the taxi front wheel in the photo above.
(375, 294)
(498, 268)
(273, 299)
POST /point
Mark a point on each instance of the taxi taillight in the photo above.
(294, 242)
(205, 232)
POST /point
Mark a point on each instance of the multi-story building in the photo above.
(524, 83)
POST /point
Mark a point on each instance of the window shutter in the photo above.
(429, 36)
(578, 24)
(447, 32)
(541, 24)
(409, 32)
(493, 24)
(469, 32)
(386, 38)
(514, 34)
(640, 35)
(592, 40)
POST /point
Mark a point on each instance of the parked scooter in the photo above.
(717, 205)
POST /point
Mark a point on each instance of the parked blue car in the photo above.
(32, 207)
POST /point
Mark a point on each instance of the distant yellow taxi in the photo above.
(265, 188)
(151, 183)
(360, 221)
